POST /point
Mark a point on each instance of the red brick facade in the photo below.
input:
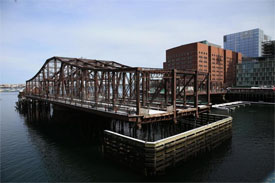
(205, 58)
(231, 61)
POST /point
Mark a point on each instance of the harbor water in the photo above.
(67, 146)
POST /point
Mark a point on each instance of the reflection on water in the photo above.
(61, 145)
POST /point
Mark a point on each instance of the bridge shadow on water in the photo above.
(65, 125)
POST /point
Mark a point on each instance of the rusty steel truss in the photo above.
(112, 89)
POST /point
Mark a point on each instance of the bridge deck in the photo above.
(152, 115)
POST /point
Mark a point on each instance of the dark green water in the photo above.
(68, 148)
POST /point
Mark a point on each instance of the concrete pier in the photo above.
(152, 158)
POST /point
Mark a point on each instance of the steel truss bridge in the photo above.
(111, 89)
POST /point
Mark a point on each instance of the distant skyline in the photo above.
(133, 32)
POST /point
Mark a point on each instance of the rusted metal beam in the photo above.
(113, 88)
(166, 91)
(174, 94)
(143, 90)
(137, 92)
(186, 84)
(208, 89)
(184, 91)
(95, 87)
(123, 87)
(131, 85)
(196, 99)
(108, 87)
(147, 87)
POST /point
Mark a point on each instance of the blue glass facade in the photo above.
(249, 43)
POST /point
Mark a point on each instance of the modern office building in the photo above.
(268, 48)
(258, 71)
(249, 42)
(205, 57)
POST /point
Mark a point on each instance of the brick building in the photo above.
(231, 60)
(216, 65)
(205, 57)
(192, 56)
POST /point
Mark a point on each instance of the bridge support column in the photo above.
(114, 90)
(184, 91)
(137, 92)
(208, 89)
(95, 88)
(196, 97)
(143, 90)
(174, 94)
(166, 91)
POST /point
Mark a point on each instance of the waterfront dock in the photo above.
(231, 105)
(254, 94)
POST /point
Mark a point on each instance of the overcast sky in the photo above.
(132, 32)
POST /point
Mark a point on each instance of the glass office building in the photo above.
(256, 73)
(249, 43)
